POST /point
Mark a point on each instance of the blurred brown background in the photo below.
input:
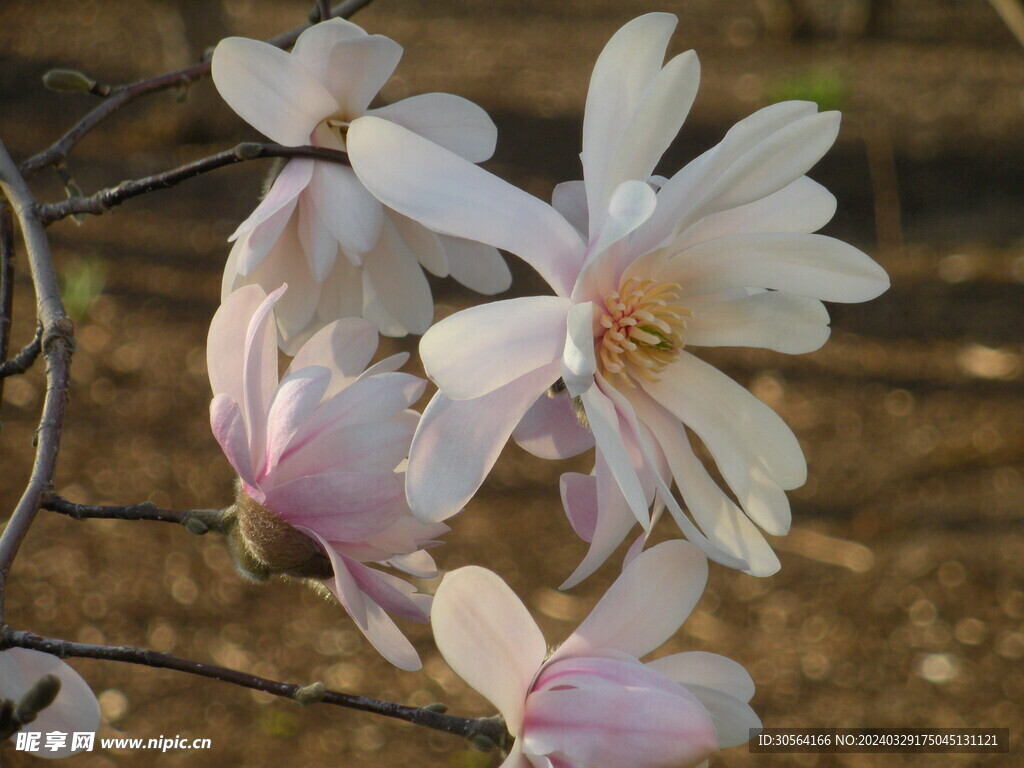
(901, 596)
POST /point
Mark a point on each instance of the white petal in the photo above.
(341, 294)
(289, 184)
(398, 281)
(270, 89)
(425, 245)
(225, 351)
(318, 243)
(570, 199)
(452, 196)
(353, 66)
(579, 363)
(646, 605)
(350, 212)
(630, 206)
(450, 121)
(769, 320)
(475, 265)
(708, 670)
(733, 719)
(345, 347)
(457, 443)
(802, 206)
(808, 265)
(625, 68)
(736, 426)
(259, 374)
(489, 638)
(295, 399)
(480, 349)
(551, 429)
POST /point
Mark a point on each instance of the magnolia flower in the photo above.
(316, 455)
(74, 710)
(318, 229)
(718, 255)
(592, 703)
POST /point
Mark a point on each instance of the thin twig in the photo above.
(492, 728)
(57, 347)
(7, 255)
(22, 361)
(123, 94)
(196, 520)
(105, 199)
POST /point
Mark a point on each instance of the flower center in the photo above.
(644, 329)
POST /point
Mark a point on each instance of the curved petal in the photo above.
(579, 363)
(579, 499)
(452, 196)
(294, 401)
(646, 605)
(75, 708)
(344, 347)
(737, 427)
(610, 727)
(708, 670)
(477, 266)
(476, 351)
(341, 294)
(450, 121)
(551, 429)
(270, 89)
(259, 374)
(289, 184)
(375, 448)
(391, 593)
(808, 265)
(351, 65)
(225, 350)
(424, 245)
(630, 60)
(570, 199)
(733, 719)
(318, 244)
(489, 638)
(769, 320)
(228, 426)
(458, 441)
(340, 506)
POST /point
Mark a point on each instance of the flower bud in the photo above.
(310, 694)
(69, 81)
(264, 544)
(37, 698)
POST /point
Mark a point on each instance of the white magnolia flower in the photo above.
(721, 254)
(592, 703)
(318, 229)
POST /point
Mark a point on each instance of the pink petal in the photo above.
(295, 399)
(646, 604)
(259, 373)
(270, 89)
(476, 351)
(224, 342)
(391, 593)
(579, 499)
(376, 447)
(452, 196)
(229, 430)
(449, 121)
(551, 429)
(458, 441)
(345, 347)
(488, 638)
(708, 670)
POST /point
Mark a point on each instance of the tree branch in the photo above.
(196, 520)
(493, 728)
(22, 361)
(56, 345)
(6, 285)
(123, 94)
(105, 199)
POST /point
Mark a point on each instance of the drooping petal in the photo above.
(452, 196)
(75, 709)
(398, 281)
(480, 349)
(270, 89)
(391, 593)
(488, 637)
(289, 184)
(345, 206)
(625, 68)
(769, 320)
(477, 266)
(551, 429)
(646, 605)
(319, 245)
(808, 265)
(450, 121)
(458, 441)
(353, 67)
(610, 727)
(341, 293)
(424, 245)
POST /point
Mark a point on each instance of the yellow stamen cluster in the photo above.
(644, 330)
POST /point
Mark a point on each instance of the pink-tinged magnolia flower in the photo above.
(318, 229)
(721, 254)
(316, 455)
(592, 703)
(74, 710)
